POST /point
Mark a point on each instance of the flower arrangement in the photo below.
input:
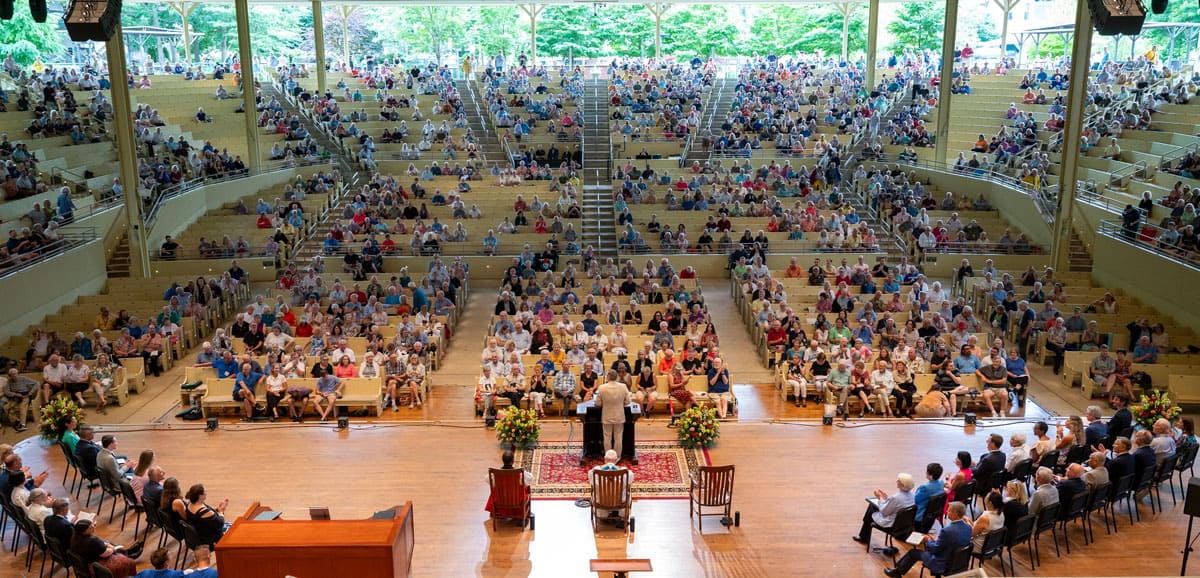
(518, 427)
(698, 427)
(54, 412)
(1155, 406)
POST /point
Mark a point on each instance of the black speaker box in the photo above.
(1112, 17)
(92, 19)
(1191, 504)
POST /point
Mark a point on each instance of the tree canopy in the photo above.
(27, 41)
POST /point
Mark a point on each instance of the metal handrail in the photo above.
(1129, 170)
(70, 238)
(1113, 229)
(780, 247)
(1045, 203)
(1166, 159)
(151, 216)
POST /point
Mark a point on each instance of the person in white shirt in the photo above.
(485, 391)
(882, 383)
(276, 390)
(54, 378)
(343, 350)
(78, 379)
(277, 339)
(369, 367)
(1018, 453)
(39, 508)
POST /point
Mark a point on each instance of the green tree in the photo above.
(699, 30)
(918, 26)
(984, 30)
(1177, 11)
(492, 29)
(823, 30)
(27, 41)
(774, 29)
(569, 30)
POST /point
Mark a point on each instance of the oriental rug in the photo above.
(663, 470)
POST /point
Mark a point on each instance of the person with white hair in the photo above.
(611, 457)
(883, 509)
(1018, 453)
(1164, 440)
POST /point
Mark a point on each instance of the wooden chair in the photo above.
(611, 490)
(712, 487)
(934, 510)
(510, 494)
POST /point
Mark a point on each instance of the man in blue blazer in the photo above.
(938, 551)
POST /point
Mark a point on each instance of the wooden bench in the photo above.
(1184, 389)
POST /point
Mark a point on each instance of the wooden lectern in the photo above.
(377, 547)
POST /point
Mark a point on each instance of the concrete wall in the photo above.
(44, 288)
(1153, 280)
(176, 214)
(1016, 207)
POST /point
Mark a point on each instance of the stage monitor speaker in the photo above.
(6, 9)
(1191, 504)
(37, 9)
(1158, 6)
(92, 19)
(1112, 17)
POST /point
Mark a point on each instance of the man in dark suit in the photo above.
(1096, 432)
(1120, 421)
(1071, 485)
(152, 491)
(611, 398)
(938, 551)
(1121, 464)
(991, 462)
(86, 449)
(56, 525)
(1143, 456)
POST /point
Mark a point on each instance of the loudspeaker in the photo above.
(211, 424)
(92, 19)
(970, 419)
(1158, 6)
(343, 422)
(1114, 17)
(6, 9)
(1191, 503)
(37, 9)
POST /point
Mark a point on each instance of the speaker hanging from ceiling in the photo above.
(92, 19)
(1112, 17)
(37, 9)
(6, 9)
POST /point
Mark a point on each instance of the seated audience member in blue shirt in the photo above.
(931, 488)
(243, 389)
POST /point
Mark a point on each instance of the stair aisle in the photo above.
(599, 226)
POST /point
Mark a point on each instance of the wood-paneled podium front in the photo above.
(377, 547)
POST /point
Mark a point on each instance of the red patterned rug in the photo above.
(662, 472)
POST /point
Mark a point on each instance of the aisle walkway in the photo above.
(737, 349)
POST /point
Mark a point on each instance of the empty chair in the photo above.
(71, 470)
(712, 487)
(1186, 461)
(1122, 491)
(1047, 519)
(1166, 474)
(1049, 460)
(1022, 533)
(1097, 501)
(1070, 512)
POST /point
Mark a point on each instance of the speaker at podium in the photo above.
(593, 432)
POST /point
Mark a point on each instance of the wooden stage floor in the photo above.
(800, 489)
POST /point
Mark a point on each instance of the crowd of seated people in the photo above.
(904, 202)
(520, 98)
(646, 97)
(547, 344)
(856, 348)
(327, 316)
